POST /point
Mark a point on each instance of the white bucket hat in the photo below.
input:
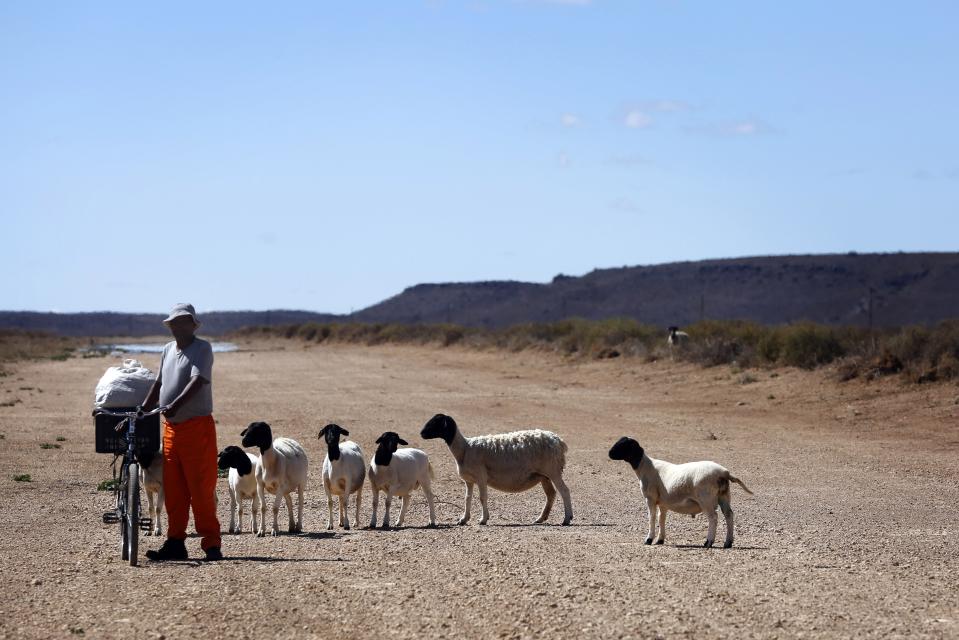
(182, 309)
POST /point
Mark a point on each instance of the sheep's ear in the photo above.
(401, 441)
(243, 433)
(323, 431)
(344, 432)
(379, 440)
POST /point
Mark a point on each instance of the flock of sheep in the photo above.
(510, 462)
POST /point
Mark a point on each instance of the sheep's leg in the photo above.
(159, 512)
(662, 525)
(253, 507)
(376, 501)
(261, 498)
(359, 501)
(289, 512)
(428, 491)
(550, 497)
(329, 502)
(406, 504)
(483, 496)
(651, 507)
(711, 531)
(239, 513)
(276, 512)
(299, 508)
(150, 509)
(233, 511)
(567, 501)
(728, 515)
(469, 500)
(386, 514)
(345, 508)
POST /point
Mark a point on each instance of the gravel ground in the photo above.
(852, 531)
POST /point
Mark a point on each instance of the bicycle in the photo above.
(126, 511)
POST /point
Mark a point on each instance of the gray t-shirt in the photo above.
(177, 368)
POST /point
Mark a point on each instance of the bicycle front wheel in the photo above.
(133, 513)
(122, 491)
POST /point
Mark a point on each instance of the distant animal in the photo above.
(676, 338)
(511, 462)
(344, 471)
(399, 472)
(280, 470)
(691, 488)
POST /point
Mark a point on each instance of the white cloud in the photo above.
(733, 128)
(562, 159)
(570, 120)
(636, 119)
(625, 204)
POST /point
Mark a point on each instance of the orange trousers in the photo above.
(189, 479)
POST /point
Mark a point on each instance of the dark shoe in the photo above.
(213, 554)
(171, 550)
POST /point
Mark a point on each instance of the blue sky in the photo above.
(325, 156)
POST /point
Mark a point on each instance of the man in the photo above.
(183, 385)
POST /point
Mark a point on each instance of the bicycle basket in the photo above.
(109, 441)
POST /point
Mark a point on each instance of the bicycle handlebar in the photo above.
(139, 413)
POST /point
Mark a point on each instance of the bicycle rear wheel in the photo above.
(133, 513)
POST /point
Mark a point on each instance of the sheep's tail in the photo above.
(733, 478)
(429, 468)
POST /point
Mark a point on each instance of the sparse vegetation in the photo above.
(921, 354)
(35, 345)
(22, 477)
(48, 445)
(61, 439)
(108, 485)
(10, 403)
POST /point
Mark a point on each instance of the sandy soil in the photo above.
(853, 531)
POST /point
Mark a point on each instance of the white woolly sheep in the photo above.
(690, 488)
(511, 462)
(281, 469)
(151, 480)
(399, 473)
(344, 471)
(242, 484)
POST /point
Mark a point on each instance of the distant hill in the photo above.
(893, 289)
(103, 323)
(904, 288)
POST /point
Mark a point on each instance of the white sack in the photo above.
(124, 386)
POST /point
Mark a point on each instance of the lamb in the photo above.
(343, 473)
(151, 479)
(511, 462)
(399, 473)
(242, 483)
(693, 487)
(281, 469)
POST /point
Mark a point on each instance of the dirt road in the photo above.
(853, 531)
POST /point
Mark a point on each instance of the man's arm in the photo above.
(192, 387)
(153, 396)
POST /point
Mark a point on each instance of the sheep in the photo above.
(398, 473)
(691, 488)
(343, 473)
(242, 483)
(676, 338)
(511, 462)
(281, 469)
(151, 479)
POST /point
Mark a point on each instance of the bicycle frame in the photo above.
(127, 506)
